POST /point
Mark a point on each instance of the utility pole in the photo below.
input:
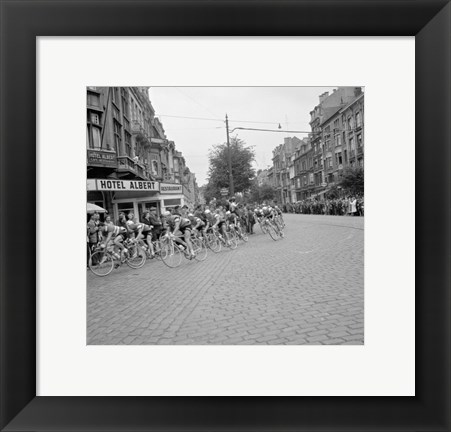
(229, 156)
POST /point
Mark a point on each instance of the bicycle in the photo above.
(212, 241)
(262, 225)
(230, 239)
(242, 235)
(101, 262)
(199, 246)
(272, 229)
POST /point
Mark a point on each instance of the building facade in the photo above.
(281, 169)
(312, 166)
(337, 137)
(131, 165)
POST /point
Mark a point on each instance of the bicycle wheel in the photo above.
(136, 256)
(231, 241)
(200, 249)
(157, 249)
(243, 235)
(213, 243)
(101, 263)
(263, 227)
(170, 254)
(272, 232)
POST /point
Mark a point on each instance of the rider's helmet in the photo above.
(227, 212)
(207, 211)
(166, 213)
(190, 215)
(265, 208)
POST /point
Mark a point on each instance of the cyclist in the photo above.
(141, 231)
(116, 234)
(220, 222)
(196, 222)
(209, 219)
(177, 223)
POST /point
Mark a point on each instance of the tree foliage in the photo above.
(352, 181)
(242, 157)
(262, 193)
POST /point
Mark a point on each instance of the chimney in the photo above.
(323, 96)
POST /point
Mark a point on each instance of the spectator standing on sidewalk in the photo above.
(93, 233)
(353, 206)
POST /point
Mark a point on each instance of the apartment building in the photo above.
(131, 164)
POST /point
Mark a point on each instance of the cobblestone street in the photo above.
(304, 289)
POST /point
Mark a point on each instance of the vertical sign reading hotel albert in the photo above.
(102, 158)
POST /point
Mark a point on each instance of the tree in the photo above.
(352, 181)
(242, 157)
(262, 193)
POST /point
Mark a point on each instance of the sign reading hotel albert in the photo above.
(170, 188)
(96, 157)
(133, 185)
(123, 185)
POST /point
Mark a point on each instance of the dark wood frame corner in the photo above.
(22, 21)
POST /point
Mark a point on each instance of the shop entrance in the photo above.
(145, 206)
(126, 208)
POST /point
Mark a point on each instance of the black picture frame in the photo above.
(22, 21)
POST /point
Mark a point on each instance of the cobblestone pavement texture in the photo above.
(304, 289)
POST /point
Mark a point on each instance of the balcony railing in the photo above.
(125, 163)
(140, 132)
(359, 151)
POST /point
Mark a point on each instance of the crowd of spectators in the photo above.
(353, 206)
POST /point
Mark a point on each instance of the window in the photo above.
(358, 119)
(95, 118)
(338, 140)
(336, 125)
(350, 123)
(311, 178)
(351, 144)
(124, 95)
(93, 99)
(128, 144)
(154, 167)
(93, 137)
(115, 95)
(96, 141)
(117, 135)
(359, 140)
(338, 158)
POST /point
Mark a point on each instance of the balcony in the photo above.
(359, 151)
(126, 164)
(140, 133)
(352, 154)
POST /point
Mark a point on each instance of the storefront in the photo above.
(136, 196)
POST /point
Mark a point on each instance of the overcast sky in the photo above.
(289, 106)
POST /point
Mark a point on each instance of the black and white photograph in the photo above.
(225, 215)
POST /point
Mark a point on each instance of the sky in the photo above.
(245, 106)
